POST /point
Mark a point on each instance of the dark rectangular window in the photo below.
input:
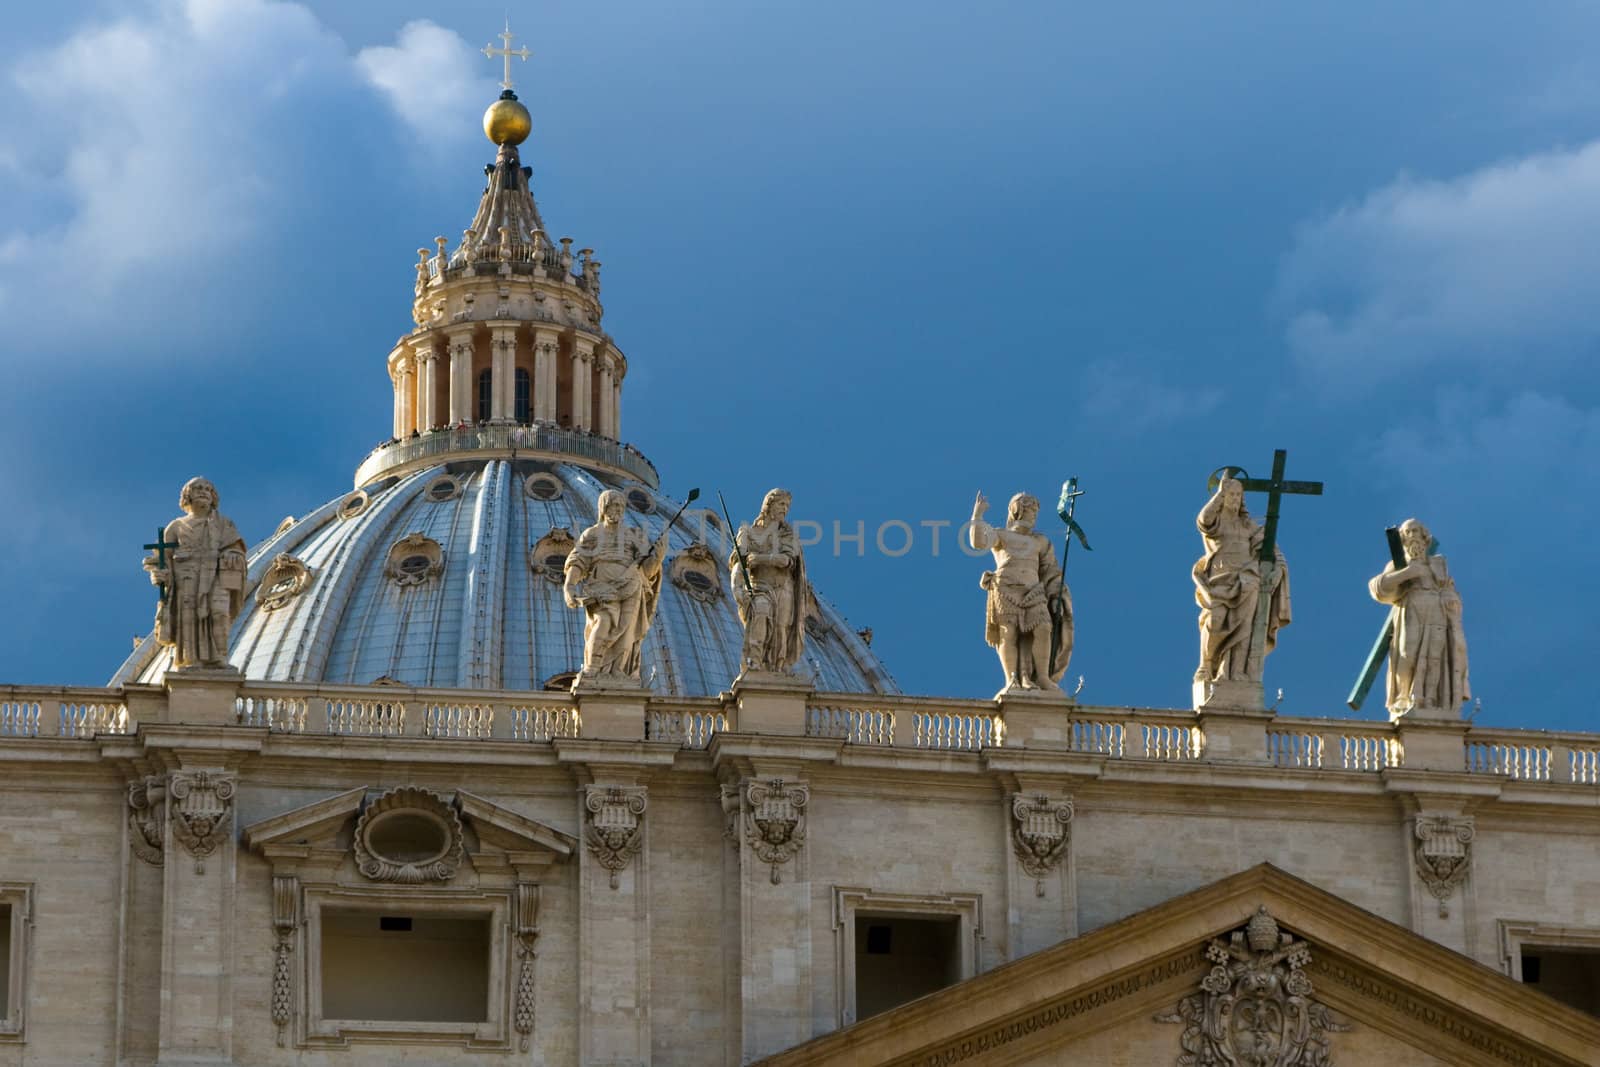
(1570, 975)
(434, 968)
(899, 959)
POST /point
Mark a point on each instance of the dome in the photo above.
(448, 576)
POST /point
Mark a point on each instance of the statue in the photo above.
(1029, 605)
(201, 581)
(1227, 586)
(768, 573)
(614, 574)
(1428, 652)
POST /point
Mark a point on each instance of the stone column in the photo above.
(461, 398)
(399, 403)
(503, 367)
(197, 921)
(607, 427)
(546, 347)
(427, 385)
(582, 357)
(616, 408)
(406, 383)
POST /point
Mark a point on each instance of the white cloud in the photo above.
(1135, 399)
(432, 78)
(154, 160)
(1497, 270)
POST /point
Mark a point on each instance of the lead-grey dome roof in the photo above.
(490, 619)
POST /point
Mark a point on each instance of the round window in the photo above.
(444, 489)
(555, 561)
(699, 582)
(415, 564)
(544, 487)
(640, 500)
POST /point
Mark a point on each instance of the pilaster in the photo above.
(582, 387)
(503, 369)
(1439, 844)
(461, 398)
(427, 384)
(606, 428)
(405, 383)
(1041, 878)
(546, 349)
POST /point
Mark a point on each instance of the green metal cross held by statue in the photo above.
(1274, 487)
(160, 549)
(1380, 647)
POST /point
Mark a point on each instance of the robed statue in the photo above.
(1427, 651)
(1227, 586)
(1029, 609)
(614, 574)
(200, 568)
(768, 574)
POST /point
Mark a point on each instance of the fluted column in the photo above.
(582, 386)
(461, 398)
(503, 369)
(399, 402)
(427, 385)
(546, 347)
(406, 383)
(607, 426)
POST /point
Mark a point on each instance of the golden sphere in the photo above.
(507, 122)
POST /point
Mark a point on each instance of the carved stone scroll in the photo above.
(1255, 1006)
(527, 930)
(775, 821)
(615, 830)
(1444, 854)
(201, 810)
(147, 819)
(285, 906)
(1040, 833)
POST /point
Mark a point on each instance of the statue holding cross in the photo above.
(201, 579)
(1241, 585)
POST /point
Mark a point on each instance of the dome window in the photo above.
(641, 501)
(443, 488)
(354, 504)
(414, 560)
(543, 487)
(548, 556)
(285, 578)
(695, 571)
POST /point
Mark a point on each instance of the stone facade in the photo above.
(693, 900)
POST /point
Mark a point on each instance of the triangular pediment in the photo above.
(1364, 991)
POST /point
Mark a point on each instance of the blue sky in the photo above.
(884, 254)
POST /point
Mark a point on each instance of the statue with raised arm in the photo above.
(1227, 586)
(1028, 601)
(768, 575)
(200, 568)
(614, 575)
(1427, 652)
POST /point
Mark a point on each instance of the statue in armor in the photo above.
(1030, 608)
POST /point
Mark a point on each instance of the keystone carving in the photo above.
(1255, 1007)
(147, 819)
(1040, 833)
(775, 821)
(201, 811)
(615, 830)
(1444, 854)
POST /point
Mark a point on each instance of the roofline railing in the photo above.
(536, 440)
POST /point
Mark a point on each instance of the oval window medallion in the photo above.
(543, 487)
(695, 571)
(286, 577)
(354, 504)
(442, 488)
(548, 556)
(639, 500)
(408, 835)
(414, 559)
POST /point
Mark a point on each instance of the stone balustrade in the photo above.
(899, 722)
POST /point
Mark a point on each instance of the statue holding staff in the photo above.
(1228, 588)
(1029, 608)
(768, 574)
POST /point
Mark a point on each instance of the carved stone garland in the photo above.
(423, 809)
(147, 819)
(1444, 854)
(285, 905)
(615, 832)
(1255, 1007)
(1040, 833)
(200, 809)
(775, 821)
(527, 929)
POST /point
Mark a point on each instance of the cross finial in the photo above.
(507, 51)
